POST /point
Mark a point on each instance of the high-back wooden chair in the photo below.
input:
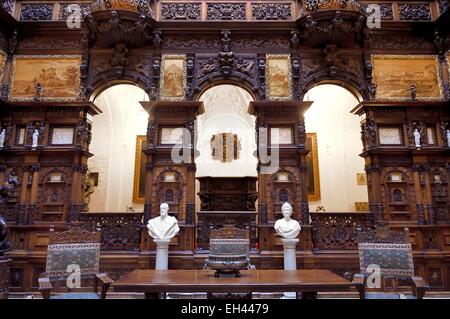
(74, 250)
(389, 252)
(229, 250)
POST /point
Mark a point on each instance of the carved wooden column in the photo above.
(34, 193)
(170, 170)
(20, 213)
(431, 217)
(281, 166)
(420, 208)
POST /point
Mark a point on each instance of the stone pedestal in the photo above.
(162, 254)
(290, 260)
(4, 277)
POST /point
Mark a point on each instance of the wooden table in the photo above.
(159, 282)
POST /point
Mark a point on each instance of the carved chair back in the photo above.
(229, 241)
(388, 251)
(71, 251)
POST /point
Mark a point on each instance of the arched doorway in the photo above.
(335, 135)
(226, 112)
(116, 136)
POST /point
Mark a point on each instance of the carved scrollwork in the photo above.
(226, 11)
(338, 231)
(271, 11)
(415, 12)
(180, 11)
(118, 231)
(36, 11)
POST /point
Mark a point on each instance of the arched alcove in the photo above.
(114, 138)
(226, 121)
(338, 148)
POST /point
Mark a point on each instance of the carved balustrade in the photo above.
(338, 231)
(119, 231)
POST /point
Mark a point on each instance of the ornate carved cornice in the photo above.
(109, 29)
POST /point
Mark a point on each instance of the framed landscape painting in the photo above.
(57, 75)
(278, 75)
(394, 75)
(173, 77)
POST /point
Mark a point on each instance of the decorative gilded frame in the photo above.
(3, 57)
(286, 57)
(411, 57)
(315, 196)
(162, 73)
(140, 140)
(43, 57)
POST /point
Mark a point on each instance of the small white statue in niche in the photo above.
(163, 226)
(417, 138)
(448, 138)
(287, 227)
(35, 138)
(2, 138)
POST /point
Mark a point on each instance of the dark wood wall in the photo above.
(327, 239)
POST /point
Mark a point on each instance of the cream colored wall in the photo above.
(113, 145)
(226, 112)
(339, 146)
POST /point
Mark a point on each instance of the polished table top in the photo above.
(147, 280)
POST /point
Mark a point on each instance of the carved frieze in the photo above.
(180, 11)
(261, 42)
(190, 42)
(416, 12)
(49, 43)
(399, 42)
(271, 11)
(245, 64)
(36, 11)
(226, 11)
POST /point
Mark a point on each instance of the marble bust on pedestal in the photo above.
(287, 227)
(163, 226)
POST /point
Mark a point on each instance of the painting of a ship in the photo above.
(57, 76)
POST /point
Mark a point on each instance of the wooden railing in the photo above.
(337, 231)
(119, 231)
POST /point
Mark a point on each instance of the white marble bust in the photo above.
(287, 227)
(163, 226)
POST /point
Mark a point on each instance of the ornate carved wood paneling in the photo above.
(271, 11)
(180, 11)
(118, 231)
(338, 231)
(420, 12)
(332, 45)
(8, 5)
(208, 220)
(228, 194)
(36, 11)
(226, 11)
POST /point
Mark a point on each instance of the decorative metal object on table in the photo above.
(228, 251)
